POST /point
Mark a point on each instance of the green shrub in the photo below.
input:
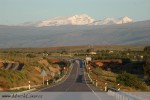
(130, 80)
(97, 71)
(147, 48)
(147, 70)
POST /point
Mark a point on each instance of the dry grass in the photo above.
(110, 78)
(31, 72)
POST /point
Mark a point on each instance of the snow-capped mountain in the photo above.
(82, 19)
(58, 21)
(73, 20)
(108, 21)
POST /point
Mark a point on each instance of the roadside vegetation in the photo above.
(110, 64)
(126, 69)
(34, 62)
(130, 80)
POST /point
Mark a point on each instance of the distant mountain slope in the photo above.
(137, 33)
(82, 19)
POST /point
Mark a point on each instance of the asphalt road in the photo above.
(77, 86)
(76, 81)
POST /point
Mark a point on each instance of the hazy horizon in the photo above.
(16, 11)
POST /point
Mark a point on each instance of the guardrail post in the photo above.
(96, 83)
(47, 82)
(29, 85)
(118, 86)
(105, 86)
(89, 69)
(93, 81)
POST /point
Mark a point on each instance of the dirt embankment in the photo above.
(12, 78)
(52, 67)
(1, 64)
(108, 61)
(105, 64)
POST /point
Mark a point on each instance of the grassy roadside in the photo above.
(30, 72)
(103, 77)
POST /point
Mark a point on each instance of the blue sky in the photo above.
(19, 11)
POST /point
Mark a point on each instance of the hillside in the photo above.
(137, 33)
(10, 78)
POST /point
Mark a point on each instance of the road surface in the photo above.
(76, 81)
(77, 86)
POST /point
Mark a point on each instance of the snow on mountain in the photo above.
(82, 19)
(108, 21)
(73, 20)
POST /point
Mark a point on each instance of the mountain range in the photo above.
(110, 31)
(82, 19)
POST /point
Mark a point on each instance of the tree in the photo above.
(88, 50)
(31, 55)
(98, 51)
(147, 69)
(130, 80)
(64, 52)
(147, 48)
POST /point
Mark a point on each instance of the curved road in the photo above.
(76, 81)
(76, 86)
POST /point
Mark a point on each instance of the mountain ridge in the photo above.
(82, 19)
(137, 33)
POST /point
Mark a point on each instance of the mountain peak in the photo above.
(82, 15)
(81, 19)
(127, 19)
(109, 21)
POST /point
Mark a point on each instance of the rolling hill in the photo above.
(137, 33)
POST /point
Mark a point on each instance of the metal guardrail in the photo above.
(119, 95)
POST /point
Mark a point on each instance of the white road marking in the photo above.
(91, 88)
